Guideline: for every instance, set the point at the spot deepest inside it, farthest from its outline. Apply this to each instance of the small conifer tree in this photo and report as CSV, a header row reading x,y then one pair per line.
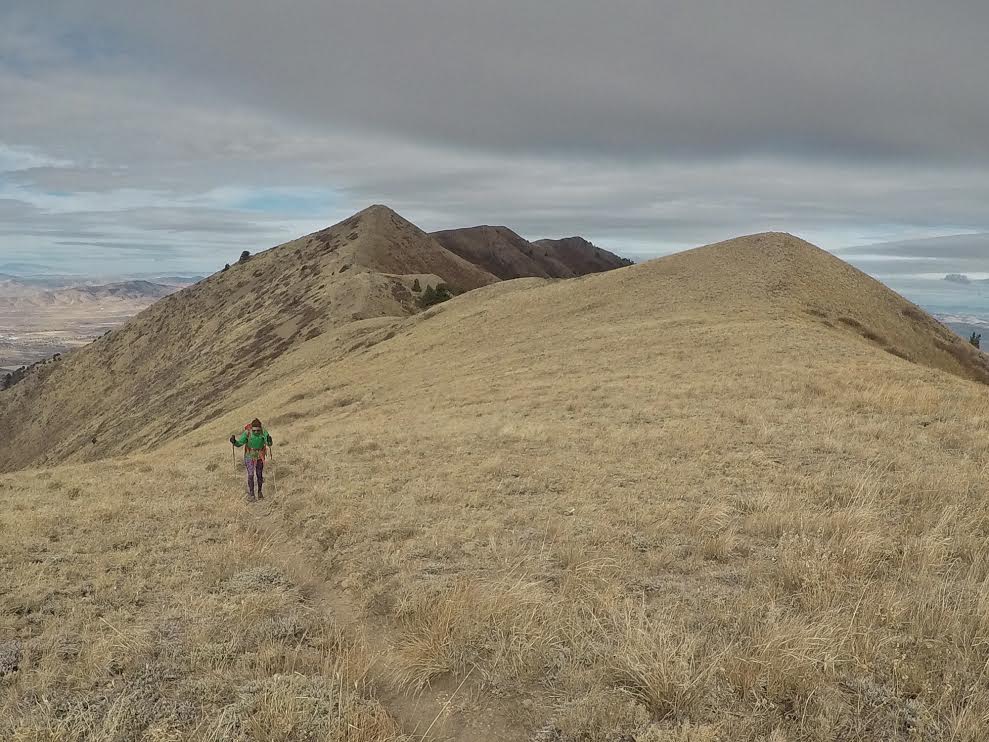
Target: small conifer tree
x,y
428,297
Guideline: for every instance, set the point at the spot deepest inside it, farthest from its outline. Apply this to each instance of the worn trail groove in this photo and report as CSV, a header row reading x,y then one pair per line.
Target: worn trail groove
x,y
432,715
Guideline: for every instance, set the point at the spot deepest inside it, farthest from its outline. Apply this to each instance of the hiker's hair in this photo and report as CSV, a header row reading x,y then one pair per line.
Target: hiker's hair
x,y
255,423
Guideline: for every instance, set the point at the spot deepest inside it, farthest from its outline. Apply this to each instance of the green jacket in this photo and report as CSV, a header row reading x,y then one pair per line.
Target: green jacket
x,y
255,443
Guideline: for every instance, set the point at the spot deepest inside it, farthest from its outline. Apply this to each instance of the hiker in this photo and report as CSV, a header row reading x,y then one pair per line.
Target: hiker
x,y
256,441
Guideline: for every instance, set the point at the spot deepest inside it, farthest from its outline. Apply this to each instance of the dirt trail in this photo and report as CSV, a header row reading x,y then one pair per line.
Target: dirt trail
x,y
436,714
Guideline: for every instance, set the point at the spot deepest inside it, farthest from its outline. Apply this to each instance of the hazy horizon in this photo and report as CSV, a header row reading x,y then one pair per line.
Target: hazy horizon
x,y
918,277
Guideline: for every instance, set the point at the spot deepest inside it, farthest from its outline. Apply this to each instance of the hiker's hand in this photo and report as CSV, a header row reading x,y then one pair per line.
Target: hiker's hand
x,y
233,440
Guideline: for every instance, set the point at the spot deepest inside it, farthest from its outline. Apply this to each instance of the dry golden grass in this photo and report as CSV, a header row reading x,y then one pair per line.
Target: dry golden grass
x,y
200,352
637,504
153,611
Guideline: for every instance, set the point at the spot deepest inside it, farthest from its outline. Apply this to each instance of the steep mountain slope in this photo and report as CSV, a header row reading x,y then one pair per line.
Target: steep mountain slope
x,y
378,239
173,365
497,249
575,256
507,255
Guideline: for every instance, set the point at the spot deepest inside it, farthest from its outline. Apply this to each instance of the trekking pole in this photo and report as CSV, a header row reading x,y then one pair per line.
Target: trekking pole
x,y
274,469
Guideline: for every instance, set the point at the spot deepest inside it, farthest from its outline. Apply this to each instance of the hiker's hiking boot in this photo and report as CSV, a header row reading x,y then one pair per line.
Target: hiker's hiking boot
x,y
260,496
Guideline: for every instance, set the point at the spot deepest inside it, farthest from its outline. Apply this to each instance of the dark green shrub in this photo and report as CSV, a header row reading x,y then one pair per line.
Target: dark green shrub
x,y
435,295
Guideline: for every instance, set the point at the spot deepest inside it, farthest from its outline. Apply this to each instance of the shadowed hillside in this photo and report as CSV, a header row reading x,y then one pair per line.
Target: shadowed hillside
x,y
575,256
703,498
501,251
507,255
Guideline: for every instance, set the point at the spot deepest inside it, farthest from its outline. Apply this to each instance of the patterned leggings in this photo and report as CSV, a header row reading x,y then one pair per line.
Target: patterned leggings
x,y
254,466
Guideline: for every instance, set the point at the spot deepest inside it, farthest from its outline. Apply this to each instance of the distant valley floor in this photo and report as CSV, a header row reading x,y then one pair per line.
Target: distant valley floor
x,y
38,334
40,317
966,329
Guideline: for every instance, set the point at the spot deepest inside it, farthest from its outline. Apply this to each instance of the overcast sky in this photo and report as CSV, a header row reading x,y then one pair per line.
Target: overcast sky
x,y
170,136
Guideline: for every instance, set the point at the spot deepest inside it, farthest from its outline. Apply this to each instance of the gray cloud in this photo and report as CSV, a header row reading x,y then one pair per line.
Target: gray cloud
x,y
645,126
879,79
958,254
973,247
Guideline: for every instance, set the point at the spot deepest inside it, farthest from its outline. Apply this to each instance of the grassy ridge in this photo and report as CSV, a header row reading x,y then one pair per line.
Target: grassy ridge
x,y
637,504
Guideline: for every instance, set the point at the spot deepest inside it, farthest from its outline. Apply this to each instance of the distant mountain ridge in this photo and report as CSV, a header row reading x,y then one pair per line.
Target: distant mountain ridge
x,y
175,280
962,278
507,255
580,256
137,289
16,294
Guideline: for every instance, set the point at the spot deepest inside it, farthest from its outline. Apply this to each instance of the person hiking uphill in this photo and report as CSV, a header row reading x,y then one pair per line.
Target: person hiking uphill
x,y
256,442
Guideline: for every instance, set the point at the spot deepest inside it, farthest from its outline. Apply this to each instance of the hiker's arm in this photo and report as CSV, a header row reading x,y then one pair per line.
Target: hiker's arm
x,y
269,439
239,440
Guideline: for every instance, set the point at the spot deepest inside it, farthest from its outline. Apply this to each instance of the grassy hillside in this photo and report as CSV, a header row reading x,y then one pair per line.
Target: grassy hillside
x,y
702,498
180,363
